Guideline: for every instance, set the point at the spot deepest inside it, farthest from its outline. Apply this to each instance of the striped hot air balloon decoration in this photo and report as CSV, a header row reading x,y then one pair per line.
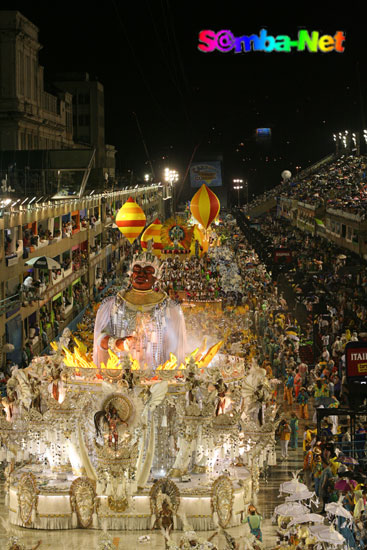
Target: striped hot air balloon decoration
x,y
205,206
153,231
130,220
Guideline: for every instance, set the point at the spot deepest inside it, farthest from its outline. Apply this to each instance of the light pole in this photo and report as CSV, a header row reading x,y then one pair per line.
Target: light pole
x,y
171,176
238,188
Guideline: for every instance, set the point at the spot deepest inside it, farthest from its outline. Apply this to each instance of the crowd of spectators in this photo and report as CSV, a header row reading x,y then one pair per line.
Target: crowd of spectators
x,y
45,236
327,289
340,185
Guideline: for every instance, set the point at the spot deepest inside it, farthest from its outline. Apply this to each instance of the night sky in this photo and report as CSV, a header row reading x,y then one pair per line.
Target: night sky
x,y
146,56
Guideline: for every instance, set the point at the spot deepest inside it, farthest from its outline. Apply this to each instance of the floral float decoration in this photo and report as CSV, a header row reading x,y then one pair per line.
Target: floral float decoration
x,y
176,236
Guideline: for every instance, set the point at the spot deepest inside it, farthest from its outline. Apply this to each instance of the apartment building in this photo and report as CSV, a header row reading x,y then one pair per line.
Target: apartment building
x,y
78,234
89,120
30,116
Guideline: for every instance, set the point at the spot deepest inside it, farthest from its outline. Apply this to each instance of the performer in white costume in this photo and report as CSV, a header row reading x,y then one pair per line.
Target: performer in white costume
x,y
149,320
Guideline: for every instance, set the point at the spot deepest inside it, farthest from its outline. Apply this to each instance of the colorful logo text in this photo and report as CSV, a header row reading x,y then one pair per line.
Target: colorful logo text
x,y
225,41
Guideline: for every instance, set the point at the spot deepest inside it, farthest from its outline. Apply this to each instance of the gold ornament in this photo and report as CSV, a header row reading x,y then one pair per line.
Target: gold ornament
x,y
222,500
118,504
82,498
27,497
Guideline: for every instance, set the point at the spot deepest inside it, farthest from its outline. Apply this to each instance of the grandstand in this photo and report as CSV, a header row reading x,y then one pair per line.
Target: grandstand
x,y
329,199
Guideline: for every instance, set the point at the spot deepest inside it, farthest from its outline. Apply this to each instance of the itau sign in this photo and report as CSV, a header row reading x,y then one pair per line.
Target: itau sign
x,y
356,360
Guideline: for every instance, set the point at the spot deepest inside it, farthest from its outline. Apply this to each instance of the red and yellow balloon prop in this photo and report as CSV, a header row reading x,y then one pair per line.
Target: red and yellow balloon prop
x,y
205,206
153,231
130,220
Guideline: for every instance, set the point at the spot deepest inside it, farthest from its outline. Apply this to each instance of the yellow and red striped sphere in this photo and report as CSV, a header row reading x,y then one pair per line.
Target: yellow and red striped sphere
x,y
153,231
130,220
205,206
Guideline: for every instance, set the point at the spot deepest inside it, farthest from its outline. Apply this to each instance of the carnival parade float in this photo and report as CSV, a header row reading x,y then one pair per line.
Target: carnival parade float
x,y
156,423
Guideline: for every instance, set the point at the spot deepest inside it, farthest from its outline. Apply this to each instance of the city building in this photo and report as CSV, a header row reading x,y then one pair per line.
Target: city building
x,y
30,116
89,121
68,115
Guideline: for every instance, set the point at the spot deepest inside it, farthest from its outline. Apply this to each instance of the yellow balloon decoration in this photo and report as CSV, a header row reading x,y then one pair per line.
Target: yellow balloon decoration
x,y
130,220
153,231
199,235
205,206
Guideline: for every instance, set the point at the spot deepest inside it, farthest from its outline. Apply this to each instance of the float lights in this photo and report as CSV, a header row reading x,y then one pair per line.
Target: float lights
x,y
30,202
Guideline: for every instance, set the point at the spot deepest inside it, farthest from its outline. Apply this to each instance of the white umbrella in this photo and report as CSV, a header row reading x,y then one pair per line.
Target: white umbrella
x,y
293,486
300,495
337,509
327,534
305,518
288,509
43,262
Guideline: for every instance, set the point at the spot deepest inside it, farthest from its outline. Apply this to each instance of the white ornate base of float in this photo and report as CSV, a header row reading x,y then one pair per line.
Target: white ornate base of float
x,y
54,511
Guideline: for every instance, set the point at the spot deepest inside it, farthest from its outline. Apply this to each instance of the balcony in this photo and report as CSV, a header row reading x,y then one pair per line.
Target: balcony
x,y
9,304
68,278
346,215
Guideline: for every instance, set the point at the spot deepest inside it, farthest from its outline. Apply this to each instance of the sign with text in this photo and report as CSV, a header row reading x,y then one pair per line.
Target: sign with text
x,y
209,173
356,360
282,256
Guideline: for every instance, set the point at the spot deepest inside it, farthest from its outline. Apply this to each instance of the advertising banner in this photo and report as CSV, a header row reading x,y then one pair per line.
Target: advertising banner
x,y
263,133
209,173
356,360
282,256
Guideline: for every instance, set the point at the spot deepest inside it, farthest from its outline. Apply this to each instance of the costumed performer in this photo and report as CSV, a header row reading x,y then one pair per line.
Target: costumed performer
x,y
149,320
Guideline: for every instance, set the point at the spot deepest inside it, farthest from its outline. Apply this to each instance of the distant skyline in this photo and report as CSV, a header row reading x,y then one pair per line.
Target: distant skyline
x,y
146,56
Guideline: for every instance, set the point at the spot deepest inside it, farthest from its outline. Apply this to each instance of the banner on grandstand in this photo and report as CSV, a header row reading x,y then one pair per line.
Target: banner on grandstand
x,y
263,135
356,360
209,173
282,256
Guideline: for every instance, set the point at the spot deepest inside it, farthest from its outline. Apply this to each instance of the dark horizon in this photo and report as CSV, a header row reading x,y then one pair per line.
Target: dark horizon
x,y
147,58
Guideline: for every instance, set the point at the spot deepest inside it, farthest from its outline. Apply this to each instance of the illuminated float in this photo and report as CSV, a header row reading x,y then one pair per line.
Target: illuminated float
x,y
103,441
